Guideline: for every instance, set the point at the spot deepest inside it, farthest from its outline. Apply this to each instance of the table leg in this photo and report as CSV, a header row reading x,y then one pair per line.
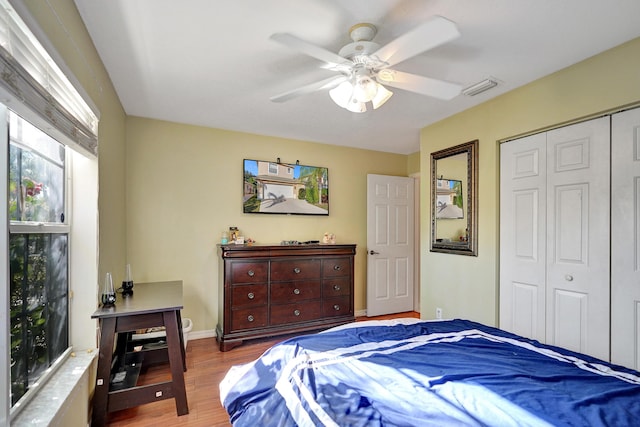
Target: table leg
x,y
103,374
182,347
177,362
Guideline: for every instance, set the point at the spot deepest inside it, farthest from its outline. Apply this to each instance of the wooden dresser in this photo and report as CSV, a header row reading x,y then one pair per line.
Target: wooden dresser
x,y
267,290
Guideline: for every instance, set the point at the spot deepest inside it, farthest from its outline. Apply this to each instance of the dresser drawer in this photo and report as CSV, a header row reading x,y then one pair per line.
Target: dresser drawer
x,y
249,295
294,313
249,272
336,287
339,306
336,267
296,269
288,292
249,318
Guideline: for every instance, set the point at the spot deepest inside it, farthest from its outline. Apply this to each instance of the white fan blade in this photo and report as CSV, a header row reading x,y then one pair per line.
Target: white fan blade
x,y
332,59
423,85
329,83
434,32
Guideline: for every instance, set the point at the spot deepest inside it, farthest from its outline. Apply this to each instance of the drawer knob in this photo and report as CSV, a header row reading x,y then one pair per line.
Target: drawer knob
x,y
251,295
250,318
336,287
296,291
336,267
296,312
296,270
251,273
336,307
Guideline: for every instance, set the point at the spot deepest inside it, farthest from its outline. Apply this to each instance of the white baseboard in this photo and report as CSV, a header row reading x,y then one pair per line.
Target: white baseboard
x,y
361,313
196,335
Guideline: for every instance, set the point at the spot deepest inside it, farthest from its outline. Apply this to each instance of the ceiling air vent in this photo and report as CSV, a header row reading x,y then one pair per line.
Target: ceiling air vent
x,y
480,87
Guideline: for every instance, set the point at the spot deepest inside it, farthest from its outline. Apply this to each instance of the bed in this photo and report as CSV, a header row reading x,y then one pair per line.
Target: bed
x,y
410,372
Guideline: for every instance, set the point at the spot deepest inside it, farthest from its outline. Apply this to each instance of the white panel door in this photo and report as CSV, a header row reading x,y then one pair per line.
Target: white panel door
x,y
554,237
577,240
523,186
390,244
625,232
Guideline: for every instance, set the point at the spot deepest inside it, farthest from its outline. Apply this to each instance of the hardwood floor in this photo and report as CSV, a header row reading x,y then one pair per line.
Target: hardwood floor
x,y
206,366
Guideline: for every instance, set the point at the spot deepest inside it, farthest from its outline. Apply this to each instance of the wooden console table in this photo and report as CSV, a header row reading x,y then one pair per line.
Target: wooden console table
x,y
151,305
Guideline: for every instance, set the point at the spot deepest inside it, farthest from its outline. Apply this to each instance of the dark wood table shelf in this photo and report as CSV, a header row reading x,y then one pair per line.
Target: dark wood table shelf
x,y
151,305
129,372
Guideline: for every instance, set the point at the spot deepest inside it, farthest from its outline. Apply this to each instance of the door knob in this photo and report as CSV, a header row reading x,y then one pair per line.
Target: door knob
x,y
568,278
372,252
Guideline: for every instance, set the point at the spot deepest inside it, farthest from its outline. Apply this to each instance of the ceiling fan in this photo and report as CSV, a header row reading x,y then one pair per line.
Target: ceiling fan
x,y
364,66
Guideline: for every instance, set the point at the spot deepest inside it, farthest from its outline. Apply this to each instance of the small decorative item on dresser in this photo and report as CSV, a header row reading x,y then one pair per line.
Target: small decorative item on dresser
x,y
233,234
329,238
224,239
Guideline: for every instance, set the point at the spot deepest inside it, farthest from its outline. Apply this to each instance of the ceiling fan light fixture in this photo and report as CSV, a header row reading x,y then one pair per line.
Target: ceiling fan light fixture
x,y
381,97
356,107
364,88
342,94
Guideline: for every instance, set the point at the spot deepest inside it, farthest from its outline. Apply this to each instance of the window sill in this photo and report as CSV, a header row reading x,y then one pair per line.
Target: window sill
x,y
57,393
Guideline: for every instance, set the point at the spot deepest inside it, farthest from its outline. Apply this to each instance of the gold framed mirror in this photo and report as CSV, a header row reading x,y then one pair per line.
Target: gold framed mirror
x,y
454,189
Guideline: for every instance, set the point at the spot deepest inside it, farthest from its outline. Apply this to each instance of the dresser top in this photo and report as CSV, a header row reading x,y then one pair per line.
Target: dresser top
x,y
255,250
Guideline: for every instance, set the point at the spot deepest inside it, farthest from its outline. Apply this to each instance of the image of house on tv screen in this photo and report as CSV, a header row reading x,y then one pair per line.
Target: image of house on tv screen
x,y
279,188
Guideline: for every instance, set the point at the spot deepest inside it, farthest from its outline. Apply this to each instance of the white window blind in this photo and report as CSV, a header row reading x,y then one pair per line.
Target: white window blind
x,y
28,73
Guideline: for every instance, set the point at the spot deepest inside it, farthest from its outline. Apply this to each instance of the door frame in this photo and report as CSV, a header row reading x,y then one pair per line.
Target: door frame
x,y
416,241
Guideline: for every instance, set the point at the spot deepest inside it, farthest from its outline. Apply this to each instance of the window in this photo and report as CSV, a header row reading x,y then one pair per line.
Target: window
x,y
273,168
44,257
38,254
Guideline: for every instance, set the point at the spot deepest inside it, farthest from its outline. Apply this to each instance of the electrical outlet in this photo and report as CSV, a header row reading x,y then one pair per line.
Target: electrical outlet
x,y
438,313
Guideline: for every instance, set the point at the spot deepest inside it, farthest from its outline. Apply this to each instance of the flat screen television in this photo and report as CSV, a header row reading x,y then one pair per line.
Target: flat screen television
x,y
282,188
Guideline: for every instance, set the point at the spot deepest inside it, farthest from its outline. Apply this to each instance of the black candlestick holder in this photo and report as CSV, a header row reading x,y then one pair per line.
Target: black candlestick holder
x,y
127,283
127,288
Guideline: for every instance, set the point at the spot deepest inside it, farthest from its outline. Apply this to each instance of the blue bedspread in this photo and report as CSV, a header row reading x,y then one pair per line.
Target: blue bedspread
x,y
444,373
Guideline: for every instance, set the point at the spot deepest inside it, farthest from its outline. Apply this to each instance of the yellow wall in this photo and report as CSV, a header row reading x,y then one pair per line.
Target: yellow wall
x,y
413,163
466,286
184,188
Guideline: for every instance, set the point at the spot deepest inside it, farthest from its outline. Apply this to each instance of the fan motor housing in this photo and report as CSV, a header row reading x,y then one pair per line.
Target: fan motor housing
x,y
358,48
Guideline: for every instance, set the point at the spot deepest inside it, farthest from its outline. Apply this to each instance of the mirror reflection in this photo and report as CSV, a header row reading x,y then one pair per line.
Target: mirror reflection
x,y
453,214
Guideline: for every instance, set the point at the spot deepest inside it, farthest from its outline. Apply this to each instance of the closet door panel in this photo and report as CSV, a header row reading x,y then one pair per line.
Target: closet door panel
x,y
572,308
578,198
625,235
571,219
522,234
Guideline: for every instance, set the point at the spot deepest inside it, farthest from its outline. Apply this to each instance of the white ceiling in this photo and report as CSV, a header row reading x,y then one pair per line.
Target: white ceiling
x,y
211,62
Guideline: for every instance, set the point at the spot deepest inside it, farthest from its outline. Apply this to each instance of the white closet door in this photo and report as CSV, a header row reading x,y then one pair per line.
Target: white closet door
x,y
523,170
578,201
554,237
625,232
